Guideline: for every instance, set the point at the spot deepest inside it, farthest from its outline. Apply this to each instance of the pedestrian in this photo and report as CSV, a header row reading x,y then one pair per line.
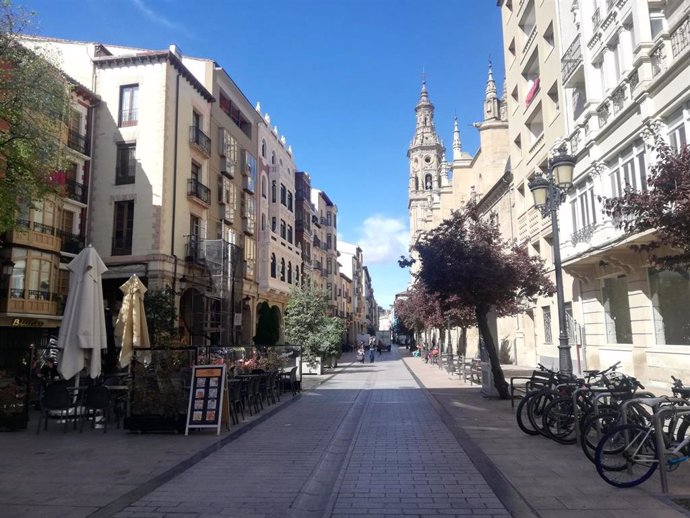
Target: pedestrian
x,y
379,347
371,354
360,353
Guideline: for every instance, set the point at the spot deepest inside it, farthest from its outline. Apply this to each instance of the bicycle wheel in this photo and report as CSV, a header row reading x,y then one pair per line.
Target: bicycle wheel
x,y
626,456
536,408
521,416
595,427
558,421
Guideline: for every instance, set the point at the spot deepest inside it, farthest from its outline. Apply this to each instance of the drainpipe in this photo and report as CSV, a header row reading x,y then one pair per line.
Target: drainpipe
x,y
174,198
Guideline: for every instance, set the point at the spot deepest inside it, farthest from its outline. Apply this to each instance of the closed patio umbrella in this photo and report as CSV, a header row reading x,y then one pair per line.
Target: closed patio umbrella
x,y
131,330
82,331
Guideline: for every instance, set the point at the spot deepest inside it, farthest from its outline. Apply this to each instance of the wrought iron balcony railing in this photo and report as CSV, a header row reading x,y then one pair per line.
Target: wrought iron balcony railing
x,y
76,191
200,139
77,141
198,190
71,243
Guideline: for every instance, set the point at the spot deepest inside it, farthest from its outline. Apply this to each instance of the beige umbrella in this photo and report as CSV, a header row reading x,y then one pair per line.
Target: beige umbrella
x,y
131,330
82,330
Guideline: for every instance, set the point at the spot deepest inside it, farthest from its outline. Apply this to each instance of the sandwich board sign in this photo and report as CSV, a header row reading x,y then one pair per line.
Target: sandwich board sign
x,y
207,397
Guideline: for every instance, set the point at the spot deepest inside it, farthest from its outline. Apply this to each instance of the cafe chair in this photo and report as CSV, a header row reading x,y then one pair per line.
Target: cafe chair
x,y
97,399
289,381
56,398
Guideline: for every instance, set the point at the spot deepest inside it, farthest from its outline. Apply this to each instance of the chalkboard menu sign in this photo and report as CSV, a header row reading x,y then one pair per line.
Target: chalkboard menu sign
x,y
206,397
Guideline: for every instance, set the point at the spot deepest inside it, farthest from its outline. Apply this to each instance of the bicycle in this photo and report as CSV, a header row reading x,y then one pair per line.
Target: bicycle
x,y
627,455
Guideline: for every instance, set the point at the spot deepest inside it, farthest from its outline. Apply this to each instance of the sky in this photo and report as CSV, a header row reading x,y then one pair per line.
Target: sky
x,y
340,79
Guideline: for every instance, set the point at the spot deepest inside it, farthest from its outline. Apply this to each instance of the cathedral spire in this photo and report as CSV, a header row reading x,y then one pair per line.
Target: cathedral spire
x,y
491,103
490,85
457,143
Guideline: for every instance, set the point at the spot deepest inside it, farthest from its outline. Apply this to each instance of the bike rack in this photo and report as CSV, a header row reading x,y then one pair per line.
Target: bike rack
x,y
659,432
601,393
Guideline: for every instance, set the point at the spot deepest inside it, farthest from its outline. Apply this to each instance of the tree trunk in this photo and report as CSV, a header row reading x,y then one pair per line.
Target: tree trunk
x,y
462,342
496,370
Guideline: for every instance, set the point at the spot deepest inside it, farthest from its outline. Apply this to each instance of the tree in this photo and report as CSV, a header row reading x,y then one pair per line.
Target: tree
x,y
663,204
34,105
465,260
161,315
307,323
267,331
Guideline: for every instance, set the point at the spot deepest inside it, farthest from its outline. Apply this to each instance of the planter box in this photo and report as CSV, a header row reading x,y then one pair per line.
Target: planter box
x,y
155,423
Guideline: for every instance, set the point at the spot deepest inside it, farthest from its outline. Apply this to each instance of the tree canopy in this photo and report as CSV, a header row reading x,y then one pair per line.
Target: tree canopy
x,y
663,204
467,263
34,106
307,323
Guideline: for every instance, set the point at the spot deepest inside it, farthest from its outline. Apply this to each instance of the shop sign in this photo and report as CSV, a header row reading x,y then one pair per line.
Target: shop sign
x,y
26,322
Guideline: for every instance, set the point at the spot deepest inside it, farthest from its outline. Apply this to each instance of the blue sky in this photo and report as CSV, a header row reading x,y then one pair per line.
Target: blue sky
x,y
340,79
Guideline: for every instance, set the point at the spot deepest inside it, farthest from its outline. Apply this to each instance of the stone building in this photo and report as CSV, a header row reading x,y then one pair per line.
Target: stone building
x,y
625,72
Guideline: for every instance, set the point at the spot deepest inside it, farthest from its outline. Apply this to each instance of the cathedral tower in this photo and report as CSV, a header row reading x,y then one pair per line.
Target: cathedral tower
x,y
426,158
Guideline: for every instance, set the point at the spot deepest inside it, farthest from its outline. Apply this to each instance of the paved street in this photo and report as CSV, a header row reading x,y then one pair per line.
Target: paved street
x,y
367,442
364,441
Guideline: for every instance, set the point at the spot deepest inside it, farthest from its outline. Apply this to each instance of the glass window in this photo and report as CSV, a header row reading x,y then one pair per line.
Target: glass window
x,y
670,293
123,226
283,229
617,310
250,171
283,195
126,164
546,314
129,102
289,234
273,191
289,201
273,265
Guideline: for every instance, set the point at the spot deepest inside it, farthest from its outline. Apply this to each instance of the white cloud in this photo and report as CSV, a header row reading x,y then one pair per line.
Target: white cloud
x,y
156,17
383,239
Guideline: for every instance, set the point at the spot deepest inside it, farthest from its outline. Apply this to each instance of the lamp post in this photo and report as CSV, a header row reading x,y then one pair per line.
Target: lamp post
x,y
548,194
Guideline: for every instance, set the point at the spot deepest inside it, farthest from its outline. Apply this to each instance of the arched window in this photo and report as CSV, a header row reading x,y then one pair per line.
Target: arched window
x,y
273,265
273,191
427,182
264,187
289,201
263,221
289,276
273,157
297,274
416,183
282,269
263,148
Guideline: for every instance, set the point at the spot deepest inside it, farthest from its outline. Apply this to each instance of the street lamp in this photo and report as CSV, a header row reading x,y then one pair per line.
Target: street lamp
x,y
548,194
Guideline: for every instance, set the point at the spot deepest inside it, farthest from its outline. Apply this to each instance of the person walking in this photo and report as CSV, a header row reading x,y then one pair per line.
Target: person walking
x,y
371,354
360,353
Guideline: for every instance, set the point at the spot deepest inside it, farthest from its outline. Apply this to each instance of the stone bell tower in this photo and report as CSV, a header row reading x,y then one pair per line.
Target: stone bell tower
x,y
427,161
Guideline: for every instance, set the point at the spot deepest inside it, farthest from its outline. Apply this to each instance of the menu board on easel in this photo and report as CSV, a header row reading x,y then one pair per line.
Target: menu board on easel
x,y
206,397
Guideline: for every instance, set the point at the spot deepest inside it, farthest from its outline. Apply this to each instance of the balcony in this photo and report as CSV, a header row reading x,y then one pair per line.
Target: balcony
x,y
583,235
596,18
200,140
225,213
37,302
76,191
571,59
34,235
680,38
198,190
77,141
194,252
248,226
530,39
71,243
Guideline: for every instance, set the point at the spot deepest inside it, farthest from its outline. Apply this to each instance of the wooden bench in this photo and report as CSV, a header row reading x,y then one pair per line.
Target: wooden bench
x,y
538,380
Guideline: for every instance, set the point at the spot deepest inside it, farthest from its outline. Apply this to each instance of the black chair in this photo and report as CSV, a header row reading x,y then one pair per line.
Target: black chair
x,y
56,398
288,380
236,403
97,399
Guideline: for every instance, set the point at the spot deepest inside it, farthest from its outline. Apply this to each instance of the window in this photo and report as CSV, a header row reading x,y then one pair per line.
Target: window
x,y
273,265
329,266
289,201
123,225
283,195
282,269
263,221
289,234
657,22
334,221
273,191
546,314
273,223
329,242
263,148
289,273
617,310
249,257
264,187
676,131
40,275
297,274
235,114
583,206
129,103
126,164
629,170
670,299
249,172
283,229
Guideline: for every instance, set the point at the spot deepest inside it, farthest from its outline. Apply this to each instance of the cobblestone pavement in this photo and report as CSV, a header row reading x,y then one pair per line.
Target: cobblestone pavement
x,y
367,442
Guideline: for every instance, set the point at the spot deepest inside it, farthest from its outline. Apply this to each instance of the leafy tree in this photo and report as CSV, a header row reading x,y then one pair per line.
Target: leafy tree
x,y
307,323
466,258
267,332
161,315
33,107
664,205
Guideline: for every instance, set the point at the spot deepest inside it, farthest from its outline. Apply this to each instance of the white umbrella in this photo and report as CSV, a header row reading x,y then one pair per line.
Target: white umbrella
x,y
131,329
82,331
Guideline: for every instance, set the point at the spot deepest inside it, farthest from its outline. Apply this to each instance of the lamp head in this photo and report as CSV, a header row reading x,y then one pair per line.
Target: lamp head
x,y
562,167
540,190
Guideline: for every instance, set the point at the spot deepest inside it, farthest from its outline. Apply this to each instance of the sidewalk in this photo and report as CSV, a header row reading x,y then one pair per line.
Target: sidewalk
x,y
557,481
73,475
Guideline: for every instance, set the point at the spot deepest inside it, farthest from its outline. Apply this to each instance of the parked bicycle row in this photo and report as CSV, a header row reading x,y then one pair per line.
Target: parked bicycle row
x,y
625,430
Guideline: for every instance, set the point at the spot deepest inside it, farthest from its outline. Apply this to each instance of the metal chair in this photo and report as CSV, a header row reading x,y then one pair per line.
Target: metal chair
x,y
56,398
97,399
